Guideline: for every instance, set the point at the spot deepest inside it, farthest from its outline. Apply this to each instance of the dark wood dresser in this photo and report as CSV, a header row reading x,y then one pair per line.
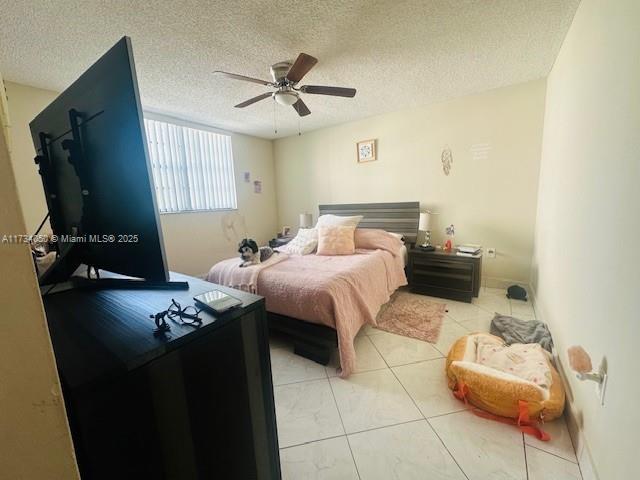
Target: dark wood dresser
x,y
196,403
444,274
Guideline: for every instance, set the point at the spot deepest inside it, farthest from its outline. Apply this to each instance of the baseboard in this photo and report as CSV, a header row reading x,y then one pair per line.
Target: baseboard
x,y
498,282
580,445
583,452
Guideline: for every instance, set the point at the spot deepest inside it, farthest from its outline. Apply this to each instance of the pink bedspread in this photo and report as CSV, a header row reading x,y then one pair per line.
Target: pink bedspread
x,y
343,292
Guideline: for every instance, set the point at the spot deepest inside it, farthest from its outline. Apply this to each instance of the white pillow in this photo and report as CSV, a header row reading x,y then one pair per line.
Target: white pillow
x,y
304,243
399,236
330,220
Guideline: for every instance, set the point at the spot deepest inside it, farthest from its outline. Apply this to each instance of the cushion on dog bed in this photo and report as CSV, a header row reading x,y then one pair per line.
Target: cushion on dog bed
x,y
499,378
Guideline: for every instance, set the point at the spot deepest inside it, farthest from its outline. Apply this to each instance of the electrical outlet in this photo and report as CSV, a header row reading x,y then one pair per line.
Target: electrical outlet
x,y
491,252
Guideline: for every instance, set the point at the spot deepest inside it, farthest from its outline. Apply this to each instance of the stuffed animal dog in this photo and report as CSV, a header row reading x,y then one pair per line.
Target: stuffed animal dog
x,y
251,254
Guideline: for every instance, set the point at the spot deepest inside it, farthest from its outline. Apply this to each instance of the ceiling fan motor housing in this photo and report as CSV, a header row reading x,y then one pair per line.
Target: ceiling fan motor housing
x,y
279,72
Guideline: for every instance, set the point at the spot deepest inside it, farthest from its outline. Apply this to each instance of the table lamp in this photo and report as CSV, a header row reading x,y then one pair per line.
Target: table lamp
x,y
423,226
306,220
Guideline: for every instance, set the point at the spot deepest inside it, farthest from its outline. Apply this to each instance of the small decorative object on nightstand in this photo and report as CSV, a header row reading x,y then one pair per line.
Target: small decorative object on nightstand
x,y
451,231
444,274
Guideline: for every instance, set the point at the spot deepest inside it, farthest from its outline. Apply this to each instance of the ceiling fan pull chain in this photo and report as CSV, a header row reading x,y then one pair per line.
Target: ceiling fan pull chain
x,y
299,132
275,122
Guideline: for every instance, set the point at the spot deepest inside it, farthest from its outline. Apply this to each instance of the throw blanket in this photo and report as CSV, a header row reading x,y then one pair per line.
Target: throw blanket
x,y
230,274
514,330
526,361
343,291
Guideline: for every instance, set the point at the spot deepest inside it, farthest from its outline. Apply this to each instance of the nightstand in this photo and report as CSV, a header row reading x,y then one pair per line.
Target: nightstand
x,y
444,274
280,241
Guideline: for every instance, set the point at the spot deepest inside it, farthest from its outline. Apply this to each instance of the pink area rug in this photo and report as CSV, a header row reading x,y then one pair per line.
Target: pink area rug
x,y
413,316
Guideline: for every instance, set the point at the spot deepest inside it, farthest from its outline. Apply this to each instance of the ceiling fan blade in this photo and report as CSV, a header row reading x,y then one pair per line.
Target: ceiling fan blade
x,y
301,67
246,79
335,91
253,100
301,108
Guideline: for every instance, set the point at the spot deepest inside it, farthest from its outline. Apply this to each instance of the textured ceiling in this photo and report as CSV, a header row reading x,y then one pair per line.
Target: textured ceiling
x,y
396,53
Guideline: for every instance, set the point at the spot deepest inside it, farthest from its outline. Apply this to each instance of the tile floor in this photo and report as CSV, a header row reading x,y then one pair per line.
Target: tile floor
x,y
396,419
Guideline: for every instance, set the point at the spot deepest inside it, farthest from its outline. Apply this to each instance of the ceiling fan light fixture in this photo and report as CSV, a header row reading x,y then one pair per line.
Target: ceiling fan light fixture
x,y
286,98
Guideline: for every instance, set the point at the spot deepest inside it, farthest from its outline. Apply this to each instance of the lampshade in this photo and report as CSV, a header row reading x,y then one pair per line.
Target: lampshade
x,y
286,98
425,219
306,220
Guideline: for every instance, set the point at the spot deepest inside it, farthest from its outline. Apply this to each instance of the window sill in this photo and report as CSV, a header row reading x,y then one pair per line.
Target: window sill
x,y
200,211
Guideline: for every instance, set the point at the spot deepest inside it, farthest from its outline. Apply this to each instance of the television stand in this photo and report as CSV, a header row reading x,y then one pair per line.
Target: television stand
x,y
194,404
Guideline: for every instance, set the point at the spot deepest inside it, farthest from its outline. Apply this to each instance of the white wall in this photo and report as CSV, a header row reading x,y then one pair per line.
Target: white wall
x,y
34,436
586,260
491,201
193,241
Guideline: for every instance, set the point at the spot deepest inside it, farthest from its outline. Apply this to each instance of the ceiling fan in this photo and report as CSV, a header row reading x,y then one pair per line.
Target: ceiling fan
x,y
286,77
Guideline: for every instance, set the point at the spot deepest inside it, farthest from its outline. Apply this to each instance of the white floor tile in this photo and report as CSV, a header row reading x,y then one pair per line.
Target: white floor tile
x,y
372,399
481,323
408,451
426,383
496,292
544,466
560,443
493,304
367,357
464,311
449,333
287,367
523,310
322,460
484,449
400,350
305,412
373,330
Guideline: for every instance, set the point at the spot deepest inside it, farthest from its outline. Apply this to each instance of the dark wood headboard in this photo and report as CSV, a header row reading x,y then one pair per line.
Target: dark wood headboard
x,y
401,217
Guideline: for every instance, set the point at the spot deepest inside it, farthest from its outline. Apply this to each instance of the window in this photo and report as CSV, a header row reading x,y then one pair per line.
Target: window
x,y
192,168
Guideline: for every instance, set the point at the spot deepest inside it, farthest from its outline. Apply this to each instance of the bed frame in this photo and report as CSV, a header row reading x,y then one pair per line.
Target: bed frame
x,y
316,342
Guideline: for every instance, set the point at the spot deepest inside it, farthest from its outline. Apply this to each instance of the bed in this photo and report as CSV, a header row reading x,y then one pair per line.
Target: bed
x,y
321,302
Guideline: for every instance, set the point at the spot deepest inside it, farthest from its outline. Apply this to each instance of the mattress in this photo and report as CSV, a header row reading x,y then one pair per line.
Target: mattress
x,y
405,254
344,291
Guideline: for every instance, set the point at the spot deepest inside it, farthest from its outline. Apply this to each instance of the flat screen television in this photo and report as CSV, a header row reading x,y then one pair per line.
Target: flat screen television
x,y
93,159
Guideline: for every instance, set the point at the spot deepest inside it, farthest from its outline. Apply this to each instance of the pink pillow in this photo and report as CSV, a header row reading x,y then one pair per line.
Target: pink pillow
x,y
374,239
336,240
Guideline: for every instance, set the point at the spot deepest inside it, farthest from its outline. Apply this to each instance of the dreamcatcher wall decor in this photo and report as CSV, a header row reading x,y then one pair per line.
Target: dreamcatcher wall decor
x,y
447,160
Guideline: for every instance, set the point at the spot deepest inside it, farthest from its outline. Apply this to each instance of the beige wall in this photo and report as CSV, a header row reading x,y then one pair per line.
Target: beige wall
x,y
193,241
585,267
25,103
34,436
491,201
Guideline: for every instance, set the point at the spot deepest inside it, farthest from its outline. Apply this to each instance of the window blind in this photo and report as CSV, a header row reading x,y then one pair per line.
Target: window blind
x,y
192,168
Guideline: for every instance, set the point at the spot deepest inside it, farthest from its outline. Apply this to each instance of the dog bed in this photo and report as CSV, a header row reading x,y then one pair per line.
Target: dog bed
x,y
516,381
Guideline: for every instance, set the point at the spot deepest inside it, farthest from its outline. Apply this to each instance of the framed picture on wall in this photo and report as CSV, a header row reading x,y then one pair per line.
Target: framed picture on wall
x,y
366,151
